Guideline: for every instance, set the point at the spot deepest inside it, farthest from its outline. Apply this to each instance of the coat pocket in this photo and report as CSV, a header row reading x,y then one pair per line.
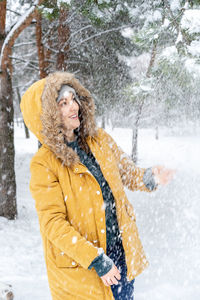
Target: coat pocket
x,y
64,261
130,211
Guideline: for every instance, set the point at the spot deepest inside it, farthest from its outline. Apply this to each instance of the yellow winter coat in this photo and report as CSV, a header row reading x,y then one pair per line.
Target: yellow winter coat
x,y
68,198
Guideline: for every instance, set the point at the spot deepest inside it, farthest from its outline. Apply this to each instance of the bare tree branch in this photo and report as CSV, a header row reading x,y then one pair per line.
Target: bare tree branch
x,y
24,60
98,34
24,44
74,33
15,12
22,23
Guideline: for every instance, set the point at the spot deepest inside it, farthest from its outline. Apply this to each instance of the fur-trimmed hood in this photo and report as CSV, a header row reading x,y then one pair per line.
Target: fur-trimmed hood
x,y
42,117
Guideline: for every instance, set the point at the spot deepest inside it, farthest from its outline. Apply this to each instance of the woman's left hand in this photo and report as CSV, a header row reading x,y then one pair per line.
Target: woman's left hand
x,y
162,174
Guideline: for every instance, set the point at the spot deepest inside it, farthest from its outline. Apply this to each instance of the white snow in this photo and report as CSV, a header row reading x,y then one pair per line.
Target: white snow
x,y
127,32
191,21
74,239
194,48
179,38
48,10
166,23
174,4
103,1
157,15
168,221
193,67
170,53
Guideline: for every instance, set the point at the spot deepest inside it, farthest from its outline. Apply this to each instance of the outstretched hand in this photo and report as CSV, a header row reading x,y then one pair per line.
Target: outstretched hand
x,y
162,174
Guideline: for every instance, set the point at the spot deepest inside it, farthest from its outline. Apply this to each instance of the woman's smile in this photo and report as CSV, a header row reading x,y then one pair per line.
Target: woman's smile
x,y
74,117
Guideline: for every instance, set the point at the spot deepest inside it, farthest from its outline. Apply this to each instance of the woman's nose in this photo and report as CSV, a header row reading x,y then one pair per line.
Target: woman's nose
x,y
74,105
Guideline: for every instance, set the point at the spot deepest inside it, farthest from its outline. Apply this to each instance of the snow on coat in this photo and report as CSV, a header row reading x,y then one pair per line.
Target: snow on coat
x,y
68,198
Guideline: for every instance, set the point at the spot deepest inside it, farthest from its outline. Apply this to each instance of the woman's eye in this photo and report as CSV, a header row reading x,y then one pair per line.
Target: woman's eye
x,y
65,103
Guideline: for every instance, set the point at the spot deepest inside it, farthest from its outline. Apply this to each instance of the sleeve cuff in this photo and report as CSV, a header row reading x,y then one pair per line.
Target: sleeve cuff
x,y
149,179
102,264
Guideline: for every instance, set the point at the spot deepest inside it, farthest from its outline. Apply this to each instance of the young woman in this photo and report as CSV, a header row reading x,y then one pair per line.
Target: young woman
x,y
91,243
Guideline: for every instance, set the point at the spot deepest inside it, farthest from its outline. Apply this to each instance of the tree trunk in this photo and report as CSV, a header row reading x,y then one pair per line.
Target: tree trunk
x,y
103,122
153,57
157,133
63,37
40,47
48,51
27,135
134,152
8,205
2,22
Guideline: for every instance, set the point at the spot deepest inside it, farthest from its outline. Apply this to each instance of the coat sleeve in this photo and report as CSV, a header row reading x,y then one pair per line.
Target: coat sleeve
x,y
51,210
131,175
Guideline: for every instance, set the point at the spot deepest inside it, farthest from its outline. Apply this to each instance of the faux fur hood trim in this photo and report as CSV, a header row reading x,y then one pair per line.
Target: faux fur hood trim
x,y
52,130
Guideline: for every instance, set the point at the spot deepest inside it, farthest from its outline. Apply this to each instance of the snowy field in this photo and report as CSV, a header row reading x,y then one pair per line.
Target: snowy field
x,y
168,222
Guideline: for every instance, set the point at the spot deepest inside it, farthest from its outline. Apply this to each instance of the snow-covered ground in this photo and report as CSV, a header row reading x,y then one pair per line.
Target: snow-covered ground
x,y
168,219
168,222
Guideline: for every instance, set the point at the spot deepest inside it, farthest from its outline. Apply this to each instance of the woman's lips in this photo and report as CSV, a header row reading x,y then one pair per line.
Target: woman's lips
x,y
74,117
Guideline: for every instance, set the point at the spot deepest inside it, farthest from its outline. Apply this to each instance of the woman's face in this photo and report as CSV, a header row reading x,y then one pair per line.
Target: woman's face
x,y
69,108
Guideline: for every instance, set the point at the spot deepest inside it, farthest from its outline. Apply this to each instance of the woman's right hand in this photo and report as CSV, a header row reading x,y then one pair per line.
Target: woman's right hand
x,y
111,277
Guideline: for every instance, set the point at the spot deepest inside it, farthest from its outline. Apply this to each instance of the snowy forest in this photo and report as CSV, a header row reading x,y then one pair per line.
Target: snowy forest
x,y
141,62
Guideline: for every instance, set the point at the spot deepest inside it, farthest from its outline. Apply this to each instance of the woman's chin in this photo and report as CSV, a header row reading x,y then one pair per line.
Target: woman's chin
x,y
76,125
